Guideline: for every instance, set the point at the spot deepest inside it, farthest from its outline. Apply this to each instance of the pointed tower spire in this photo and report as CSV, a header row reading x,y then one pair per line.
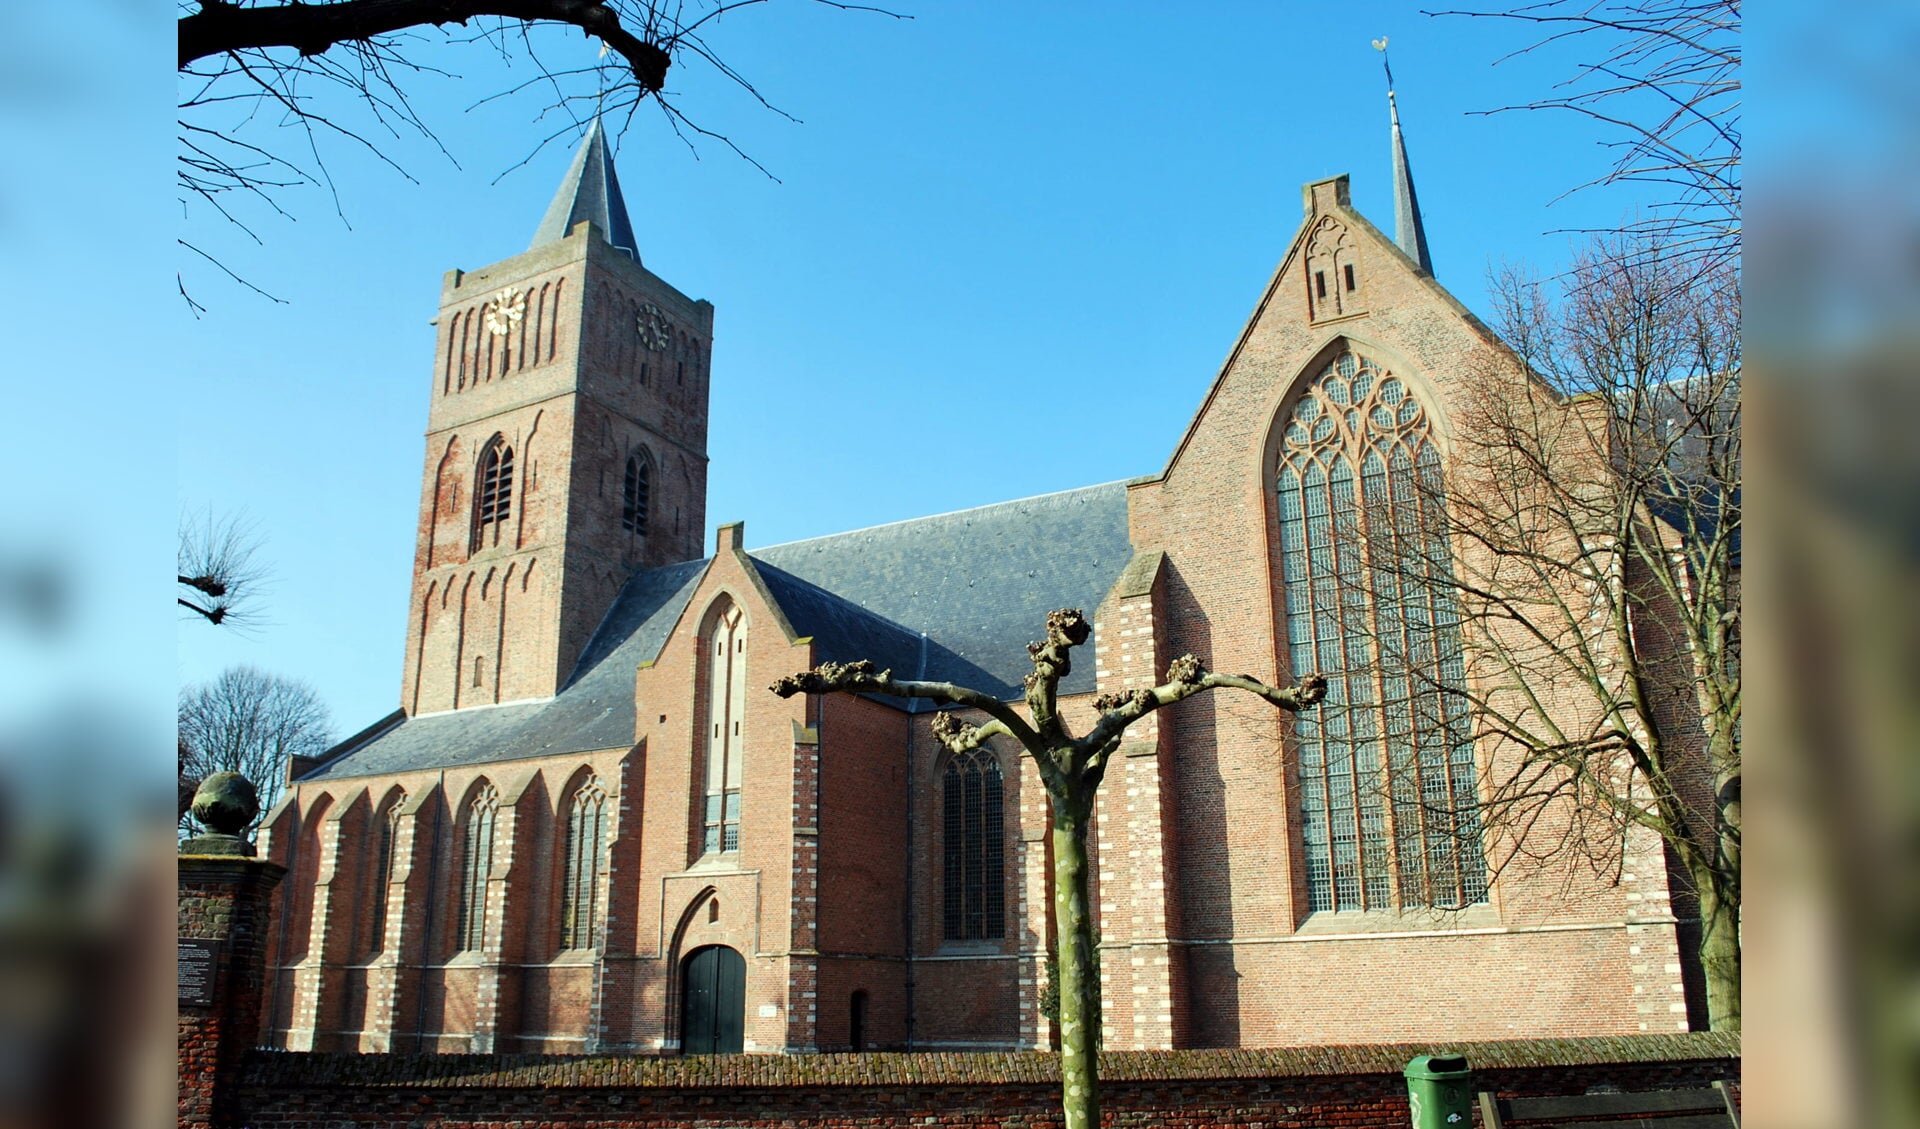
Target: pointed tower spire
x,y
589,191
1408,231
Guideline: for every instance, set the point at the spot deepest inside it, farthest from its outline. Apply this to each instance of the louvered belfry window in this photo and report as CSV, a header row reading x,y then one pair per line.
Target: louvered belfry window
x,y
973,856
476,864
493,499
639,491
1387,790
581,885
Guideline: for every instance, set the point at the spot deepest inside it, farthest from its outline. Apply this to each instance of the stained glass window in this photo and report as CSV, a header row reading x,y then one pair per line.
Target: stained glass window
x,y
973,857
581,881
1387,791
476,865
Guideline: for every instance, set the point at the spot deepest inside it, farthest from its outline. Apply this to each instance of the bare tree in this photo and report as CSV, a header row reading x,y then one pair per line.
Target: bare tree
x,y
1070,769
337,72
217,570
1591,558
1661,78
253,723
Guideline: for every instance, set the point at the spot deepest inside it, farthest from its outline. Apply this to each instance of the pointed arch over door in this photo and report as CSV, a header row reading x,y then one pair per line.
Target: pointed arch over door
x,y
713,1002
1388,794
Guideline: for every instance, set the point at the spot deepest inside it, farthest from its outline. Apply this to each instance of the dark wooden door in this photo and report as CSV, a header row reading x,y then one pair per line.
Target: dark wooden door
x,y
713,1016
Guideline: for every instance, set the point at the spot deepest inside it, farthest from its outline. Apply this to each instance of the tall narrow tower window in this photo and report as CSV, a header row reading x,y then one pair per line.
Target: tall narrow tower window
x,y
585,836
389,833
1389,800
476,864
726,686
493,496
972,860
638,494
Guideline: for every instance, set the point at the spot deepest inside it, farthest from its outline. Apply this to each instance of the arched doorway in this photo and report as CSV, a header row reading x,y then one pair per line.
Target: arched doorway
x,y
713,1002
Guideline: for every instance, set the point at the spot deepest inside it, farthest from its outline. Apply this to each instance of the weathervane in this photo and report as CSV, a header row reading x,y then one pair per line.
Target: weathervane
x,y
1380,45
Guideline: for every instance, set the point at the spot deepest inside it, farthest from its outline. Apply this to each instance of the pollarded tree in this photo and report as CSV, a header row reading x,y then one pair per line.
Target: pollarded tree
x,y
1071,768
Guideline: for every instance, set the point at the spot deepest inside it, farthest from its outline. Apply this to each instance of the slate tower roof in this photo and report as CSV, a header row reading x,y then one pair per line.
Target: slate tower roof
x,y
589,191
1408,231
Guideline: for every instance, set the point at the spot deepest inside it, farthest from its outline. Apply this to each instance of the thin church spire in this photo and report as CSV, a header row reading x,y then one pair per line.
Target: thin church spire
x,y
1408,231
589,191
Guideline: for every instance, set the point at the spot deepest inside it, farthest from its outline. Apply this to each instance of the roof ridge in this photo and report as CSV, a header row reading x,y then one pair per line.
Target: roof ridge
x,y
948,513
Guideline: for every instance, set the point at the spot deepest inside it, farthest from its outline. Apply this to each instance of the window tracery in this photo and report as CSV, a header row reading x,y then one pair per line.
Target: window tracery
x,y
973,862
1388,794
476,865
580,885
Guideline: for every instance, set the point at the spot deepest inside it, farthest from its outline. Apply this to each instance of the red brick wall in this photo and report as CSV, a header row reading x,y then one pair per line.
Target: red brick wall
x,y
224,900
1353,1088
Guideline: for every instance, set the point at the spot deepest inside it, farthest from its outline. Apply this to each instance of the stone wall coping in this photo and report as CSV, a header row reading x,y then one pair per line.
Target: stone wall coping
x,y
228,869
282,1069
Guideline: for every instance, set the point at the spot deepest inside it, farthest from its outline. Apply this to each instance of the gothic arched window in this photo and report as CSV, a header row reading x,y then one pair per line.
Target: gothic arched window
x,y
476,863
388,832
638,494
580,885
493,491
971,817
726,688
1388,793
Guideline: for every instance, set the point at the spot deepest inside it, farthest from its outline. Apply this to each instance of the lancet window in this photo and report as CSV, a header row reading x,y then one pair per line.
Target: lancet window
x,y
493,493
726,688
637,495
586,833
476,864
971,797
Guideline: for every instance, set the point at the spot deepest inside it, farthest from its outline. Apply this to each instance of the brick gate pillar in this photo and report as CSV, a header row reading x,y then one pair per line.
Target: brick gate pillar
x,y
224,910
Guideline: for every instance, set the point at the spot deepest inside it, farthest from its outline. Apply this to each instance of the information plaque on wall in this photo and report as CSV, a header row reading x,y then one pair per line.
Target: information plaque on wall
x,y
198,960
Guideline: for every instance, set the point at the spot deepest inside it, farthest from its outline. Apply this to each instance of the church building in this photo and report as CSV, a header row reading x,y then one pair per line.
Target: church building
x,y
589,827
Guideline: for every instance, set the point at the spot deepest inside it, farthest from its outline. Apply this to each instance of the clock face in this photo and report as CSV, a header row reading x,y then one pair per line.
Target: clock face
x,y
505,311
656,332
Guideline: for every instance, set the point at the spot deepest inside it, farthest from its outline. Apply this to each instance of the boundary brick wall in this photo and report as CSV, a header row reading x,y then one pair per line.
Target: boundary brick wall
x,y
1353,1087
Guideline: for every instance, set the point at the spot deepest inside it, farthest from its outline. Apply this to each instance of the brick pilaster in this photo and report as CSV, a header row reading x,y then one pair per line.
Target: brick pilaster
x,y
494,998
316,1003
803,964
1140,976
1653,948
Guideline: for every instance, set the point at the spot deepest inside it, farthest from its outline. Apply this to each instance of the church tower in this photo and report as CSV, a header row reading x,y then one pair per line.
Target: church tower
x,y
566,447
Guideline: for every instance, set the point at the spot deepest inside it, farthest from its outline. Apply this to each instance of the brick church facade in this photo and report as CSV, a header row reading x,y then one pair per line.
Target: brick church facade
x,y
589,827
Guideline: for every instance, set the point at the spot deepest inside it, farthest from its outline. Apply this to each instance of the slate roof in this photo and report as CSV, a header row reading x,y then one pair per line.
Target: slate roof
x,y
979,583
955,597
589,191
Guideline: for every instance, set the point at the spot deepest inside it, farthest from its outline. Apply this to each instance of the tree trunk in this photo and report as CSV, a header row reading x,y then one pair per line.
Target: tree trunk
x,y
1720,957
1073,932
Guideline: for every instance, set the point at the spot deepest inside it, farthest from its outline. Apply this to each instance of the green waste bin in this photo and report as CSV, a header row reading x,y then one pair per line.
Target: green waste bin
x,y
1440,1092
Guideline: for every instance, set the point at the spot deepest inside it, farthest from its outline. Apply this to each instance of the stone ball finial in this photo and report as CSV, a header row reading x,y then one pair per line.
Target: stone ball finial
x,y
225,803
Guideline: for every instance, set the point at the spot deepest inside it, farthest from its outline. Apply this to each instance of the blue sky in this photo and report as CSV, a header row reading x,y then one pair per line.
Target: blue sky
x,y
1008,250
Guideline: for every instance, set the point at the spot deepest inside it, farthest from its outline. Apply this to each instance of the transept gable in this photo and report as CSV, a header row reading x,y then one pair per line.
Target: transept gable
x,y
1387,298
